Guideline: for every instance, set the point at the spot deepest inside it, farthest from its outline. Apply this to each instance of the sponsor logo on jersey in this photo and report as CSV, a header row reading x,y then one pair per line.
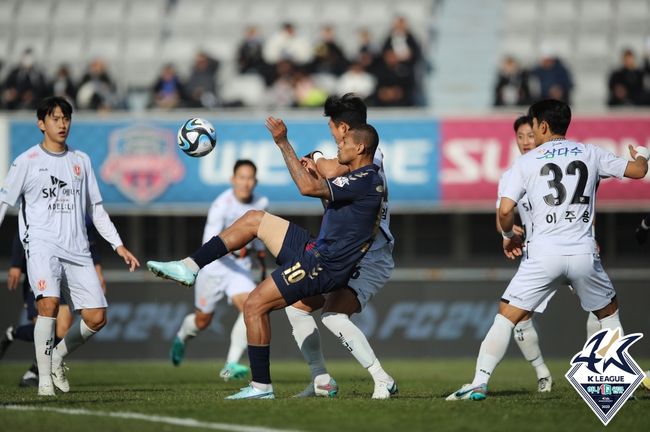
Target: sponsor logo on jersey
x,y
142,162
604,374
341,181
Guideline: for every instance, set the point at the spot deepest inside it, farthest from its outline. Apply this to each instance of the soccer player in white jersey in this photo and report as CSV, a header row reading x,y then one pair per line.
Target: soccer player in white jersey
x,y
559,177
371,275
231,275
524,332
56,187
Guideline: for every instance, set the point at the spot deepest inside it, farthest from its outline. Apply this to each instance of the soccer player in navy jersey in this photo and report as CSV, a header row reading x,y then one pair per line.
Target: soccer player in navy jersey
x,y
306,266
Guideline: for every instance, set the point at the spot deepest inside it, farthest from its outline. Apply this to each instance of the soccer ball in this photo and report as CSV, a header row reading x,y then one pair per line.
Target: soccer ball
x,y
197,137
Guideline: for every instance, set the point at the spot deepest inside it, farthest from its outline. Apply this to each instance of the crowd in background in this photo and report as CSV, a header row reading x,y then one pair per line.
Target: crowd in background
x,y
628,84
292,71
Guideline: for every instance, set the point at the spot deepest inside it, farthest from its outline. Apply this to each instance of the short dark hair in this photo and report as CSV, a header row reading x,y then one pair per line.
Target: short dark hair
x,y
522,121
348,108
367,135
244,162
48,105
554,112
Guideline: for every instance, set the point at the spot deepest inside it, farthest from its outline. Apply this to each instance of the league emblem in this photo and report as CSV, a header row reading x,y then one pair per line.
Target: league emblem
x,y
604,373
142,162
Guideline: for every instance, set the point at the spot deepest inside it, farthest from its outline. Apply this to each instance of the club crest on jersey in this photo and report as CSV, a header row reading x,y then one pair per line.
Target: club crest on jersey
x,y
42,285
604,373
142,162
76,170
341,181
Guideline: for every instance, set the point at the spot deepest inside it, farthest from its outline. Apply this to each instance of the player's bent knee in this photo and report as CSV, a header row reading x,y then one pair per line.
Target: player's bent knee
x,y
202,320
253,218
95,321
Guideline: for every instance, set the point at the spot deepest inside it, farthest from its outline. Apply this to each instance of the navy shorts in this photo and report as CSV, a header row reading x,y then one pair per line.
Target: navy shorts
x,y
299,273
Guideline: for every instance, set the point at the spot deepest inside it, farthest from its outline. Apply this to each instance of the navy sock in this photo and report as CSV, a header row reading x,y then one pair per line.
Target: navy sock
x,y
260,363
212,250
25,333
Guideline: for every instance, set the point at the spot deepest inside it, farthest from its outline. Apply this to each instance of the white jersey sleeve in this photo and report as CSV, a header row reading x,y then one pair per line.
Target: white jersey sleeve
x,y
501,187
513,187
609,165
94,196
14,183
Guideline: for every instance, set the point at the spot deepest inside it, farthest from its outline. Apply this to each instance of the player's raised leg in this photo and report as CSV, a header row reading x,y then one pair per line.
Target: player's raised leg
x,y
254,223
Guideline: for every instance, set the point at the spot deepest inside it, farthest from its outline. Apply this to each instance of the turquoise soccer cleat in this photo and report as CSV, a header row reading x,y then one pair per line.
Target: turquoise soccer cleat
x,y
467,392
251,392
234,371
174,270
177,352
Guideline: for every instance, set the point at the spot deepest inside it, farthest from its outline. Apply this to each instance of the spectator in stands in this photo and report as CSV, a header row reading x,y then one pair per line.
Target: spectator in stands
x,y
307,93
97,90
394,82
168,91
287,45
202,84
368,52
62,84
25,85
512,84
407,50
626,83
357,80
552,80
249,55
328,55
281,93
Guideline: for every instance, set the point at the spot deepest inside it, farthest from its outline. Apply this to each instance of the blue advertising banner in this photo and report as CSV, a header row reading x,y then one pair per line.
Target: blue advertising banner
x,y
140,168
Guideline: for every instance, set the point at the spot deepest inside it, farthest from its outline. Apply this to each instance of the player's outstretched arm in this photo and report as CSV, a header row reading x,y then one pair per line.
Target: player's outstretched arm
x,y
638,168
307,184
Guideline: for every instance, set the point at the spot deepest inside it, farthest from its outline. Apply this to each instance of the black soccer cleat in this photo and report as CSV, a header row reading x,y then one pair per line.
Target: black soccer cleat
x,y
7,339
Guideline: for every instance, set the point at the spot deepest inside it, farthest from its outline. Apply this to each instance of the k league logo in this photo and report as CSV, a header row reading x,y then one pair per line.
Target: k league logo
x,y
604,373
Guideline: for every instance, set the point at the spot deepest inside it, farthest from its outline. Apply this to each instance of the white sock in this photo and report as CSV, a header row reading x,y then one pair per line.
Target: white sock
x,y
44,345
262,387
493,349
306,334
356,342
188,329
191,264
593,325
238,340
526,337
611,322
76,336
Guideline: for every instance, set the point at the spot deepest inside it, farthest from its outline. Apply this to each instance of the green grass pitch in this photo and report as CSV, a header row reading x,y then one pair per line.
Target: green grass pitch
x,y
195,391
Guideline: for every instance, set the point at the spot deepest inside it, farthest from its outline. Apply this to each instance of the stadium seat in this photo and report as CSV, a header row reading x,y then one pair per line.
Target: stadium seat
x,y
38,45
521,47
106,17
595,13
557,13
66,49
634,41
190,17
248,89
109,49
70,17
7,14
592,46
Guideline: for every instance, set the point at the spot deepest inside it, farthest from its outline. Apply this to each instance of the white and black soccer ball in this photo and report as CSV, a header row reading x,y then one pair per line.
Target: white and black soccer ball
x,y
197,137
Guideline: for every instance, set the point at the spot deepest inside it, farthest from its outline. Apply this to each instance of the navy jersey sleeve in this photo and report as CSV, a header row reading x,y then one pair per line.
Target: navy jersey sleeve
x,y
350,187
17,252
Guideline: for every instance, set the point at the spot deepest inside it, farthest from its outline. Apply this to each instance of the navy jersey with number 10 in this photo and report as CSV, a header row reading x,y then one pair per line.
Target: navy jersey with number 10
x,y
350,222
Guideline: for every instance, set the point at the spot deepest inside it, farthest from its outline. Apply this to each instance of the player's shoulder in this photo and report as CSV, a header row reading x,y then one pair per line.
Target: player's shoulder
x,y
224,197
30,155
260,201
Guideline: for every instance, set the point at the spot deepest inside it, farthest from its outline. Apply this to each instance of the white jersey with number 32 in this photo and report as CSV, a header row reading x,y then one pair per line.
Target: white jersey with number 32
x,y
560,179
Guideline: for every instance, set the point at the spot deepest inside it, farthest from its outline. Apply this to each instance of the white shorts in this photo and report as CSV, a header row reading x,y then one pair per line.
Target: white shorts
x,y
372,273
213,281
542,306
50,276
531,286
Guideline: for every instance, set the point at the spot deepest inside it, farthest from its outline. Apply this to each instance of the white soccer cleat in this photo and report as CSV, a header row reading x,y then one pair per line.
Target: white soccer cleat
x,y
544,385
384,389
468,392
59,379
46,388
